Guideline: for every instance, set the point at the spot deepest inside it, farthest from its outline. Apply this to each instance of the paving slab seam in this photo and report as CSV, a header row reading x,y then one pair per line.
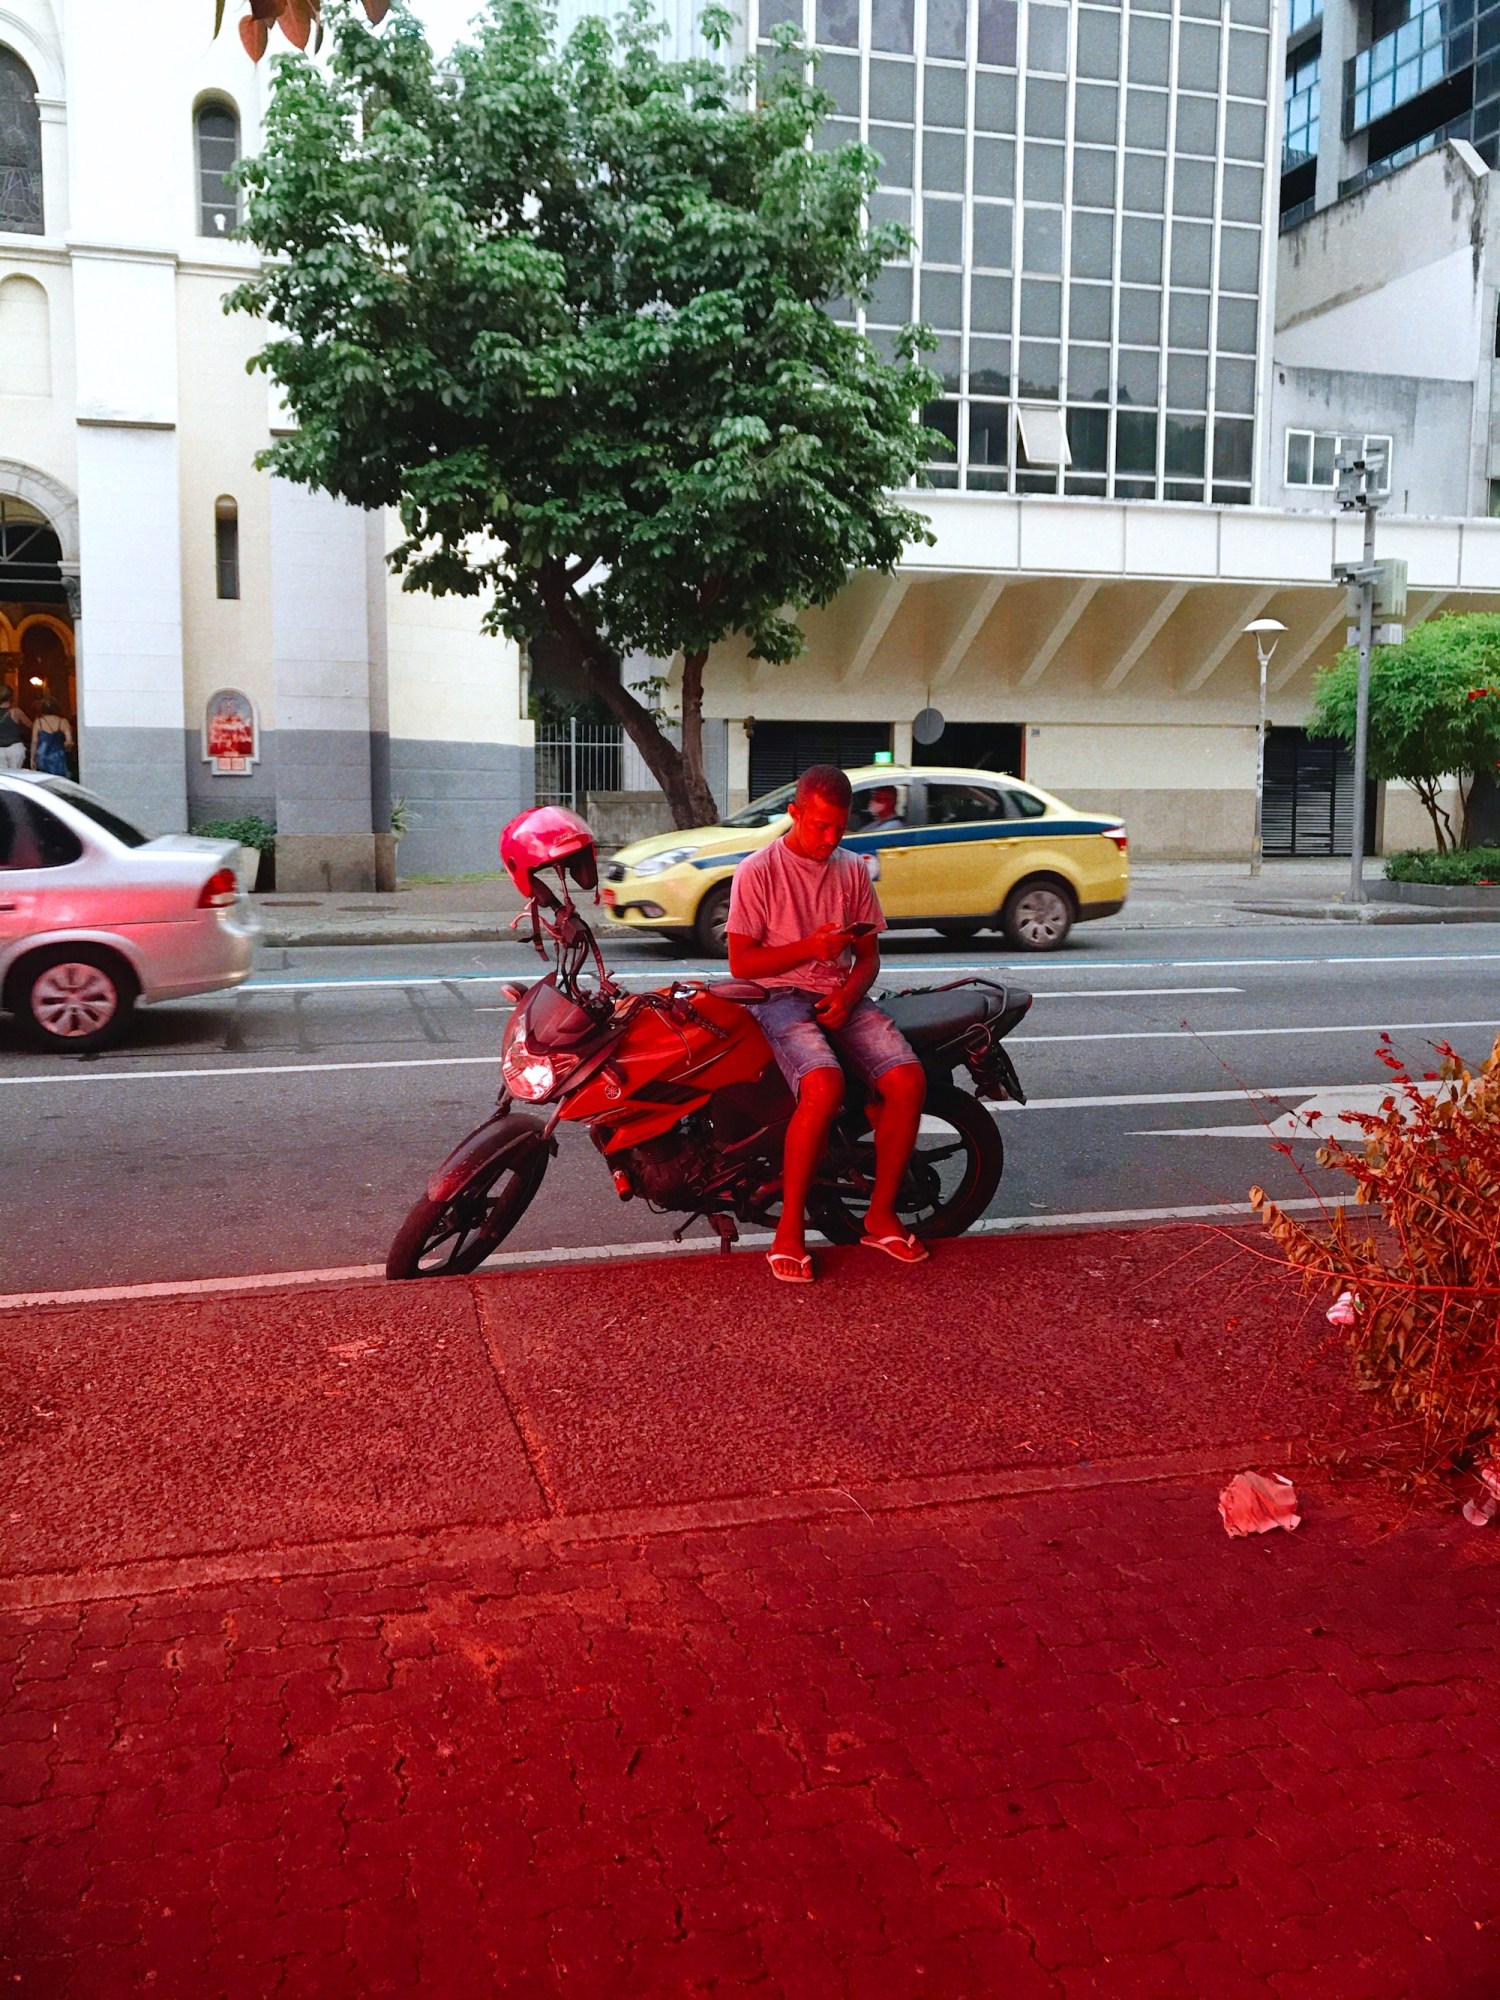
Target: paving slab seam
x,y
459,1544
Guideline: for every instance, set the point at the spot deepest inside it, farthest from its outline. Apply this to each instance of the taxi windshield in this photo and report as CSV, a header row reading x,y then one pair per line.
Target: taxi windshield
x,y
761,811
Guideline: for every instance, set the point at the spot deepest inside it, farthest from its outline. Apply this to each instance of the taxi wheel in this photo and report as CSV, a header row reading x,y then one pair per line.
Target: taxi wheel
x,y
710,931
74,998
1038,914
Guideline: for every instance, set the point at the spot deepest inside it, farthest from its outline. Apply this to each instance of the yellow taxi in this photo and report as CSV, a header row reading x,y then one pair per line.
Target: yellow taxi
x,y
953,851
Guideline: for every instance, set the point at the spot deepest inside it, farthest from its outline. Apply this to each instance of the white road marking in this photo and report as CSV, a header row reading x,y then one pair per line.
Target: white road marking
x,y
586,1253
1245,1034
1324,1116
496,978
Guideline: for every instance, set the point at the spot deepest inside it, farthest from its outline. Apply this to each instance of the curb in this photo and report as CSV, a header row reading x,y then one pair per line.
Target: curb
x,y
1372,913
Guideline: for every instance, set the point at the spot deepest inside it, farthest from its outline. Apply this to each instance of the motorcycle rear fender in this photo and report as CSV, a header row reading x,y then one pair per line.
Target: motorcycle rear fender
x,y
507,1131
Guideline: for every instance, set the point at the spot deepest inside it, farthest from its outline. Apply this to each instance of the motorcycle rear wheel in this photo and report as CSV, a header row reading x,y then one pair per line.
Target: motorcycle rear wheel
x,y
448,1239
949,1183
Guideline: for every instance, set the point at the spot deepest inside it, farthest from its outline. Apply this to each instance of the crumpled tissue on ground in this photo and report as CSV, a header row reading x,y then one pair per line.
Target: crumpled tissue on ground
x,y
1251,1504
1479,1513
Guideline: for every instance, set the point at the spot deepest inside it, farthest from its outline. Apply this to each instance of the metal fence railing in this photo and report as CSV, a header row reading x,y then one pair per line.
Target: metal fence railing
x,y
574,759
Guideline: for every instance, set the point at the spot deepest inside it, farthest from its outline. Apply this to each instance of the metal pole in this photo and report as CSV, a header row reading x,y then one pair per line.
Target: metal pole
x,y
1258,848
1362,711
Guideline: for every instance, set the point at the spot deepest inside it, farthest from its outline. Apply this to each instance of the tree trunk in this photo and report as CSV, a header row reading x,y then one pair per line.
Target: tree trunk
x,y
692,739
1427,792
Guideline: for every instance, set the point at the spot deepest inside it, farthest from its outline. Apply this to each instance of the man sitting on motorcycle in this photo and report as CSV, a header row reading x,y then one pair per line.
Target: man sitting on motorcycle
x,y
803,921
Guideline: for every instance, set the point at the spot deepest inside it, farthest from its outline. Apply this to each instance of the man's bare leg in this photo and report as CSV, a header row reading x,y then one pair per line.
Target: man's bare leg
x,y
818,1099
898,1114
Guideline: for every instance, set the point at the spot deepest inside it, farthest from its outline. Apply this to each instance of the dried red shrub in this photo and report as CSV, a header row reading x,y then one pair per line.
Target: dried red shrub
x,y
1425,1274
299,20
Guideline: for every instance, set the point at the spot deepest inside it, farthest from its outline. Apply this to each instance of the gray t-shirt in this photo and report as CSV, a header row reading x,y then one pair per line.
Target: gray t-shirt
x,y
779,897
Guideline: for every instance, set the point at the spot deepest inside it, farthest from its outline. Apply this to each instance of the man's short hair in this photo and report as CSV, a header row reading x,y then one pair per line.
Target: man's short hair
x,y
827,782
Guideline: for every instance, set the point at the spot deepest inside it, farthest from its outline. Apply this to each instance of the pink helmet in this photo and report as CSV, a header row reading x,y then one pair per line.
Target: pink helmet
x,y
549,837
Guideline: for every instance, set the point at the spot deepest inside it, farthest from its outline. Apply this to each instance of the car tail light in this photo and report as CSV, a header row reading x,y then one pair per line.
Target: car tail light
x,y
220,892
1119,836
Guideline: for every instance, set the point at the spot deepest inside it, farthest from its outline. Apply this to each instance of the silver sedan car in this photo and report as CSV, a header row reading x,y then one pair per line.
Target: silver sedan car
x,y
94,916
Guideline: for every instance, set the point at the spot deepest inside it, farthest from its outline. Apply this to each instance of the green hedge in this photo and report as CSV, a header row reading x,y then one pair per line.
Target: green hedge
x,y
251,831
1461,870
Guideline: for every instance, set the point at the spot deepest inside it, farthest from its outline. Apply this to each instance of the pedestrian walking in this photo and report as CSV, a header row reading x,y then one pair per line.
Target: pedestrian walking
x,y
13,730
51,740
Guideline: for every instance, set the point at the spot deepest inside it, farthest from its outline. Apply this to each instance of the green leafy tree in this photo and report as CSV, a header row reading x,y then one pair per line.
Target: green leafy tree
x,y
564,308
1434,711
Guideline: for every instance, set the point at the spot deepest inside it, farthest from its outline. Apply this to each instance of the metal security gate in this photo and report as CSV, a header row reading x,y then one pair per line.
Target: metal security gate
x,y
779,751
1309,802
574,759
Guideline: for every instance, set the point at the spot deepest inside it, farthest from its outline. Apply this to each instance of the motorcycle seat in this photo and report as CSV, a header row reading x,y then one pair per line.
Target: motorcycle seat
x,y
929,1019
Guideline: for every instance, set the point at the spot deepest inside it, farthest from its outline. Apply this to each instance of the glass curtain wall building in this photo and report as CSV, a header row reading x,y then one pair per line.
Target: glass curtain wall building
x,y
1087,189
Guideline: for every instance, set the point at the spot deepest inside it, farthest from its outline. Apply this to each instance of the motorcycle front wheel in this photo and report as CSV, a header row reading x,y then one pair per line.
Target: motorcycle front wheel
x,y
447,1239
950,1181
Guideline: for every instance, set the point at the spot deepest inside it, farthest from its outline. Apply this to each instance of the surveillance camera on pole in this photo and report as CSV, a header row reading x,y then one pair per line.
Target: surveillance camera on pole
x,y
1361,475
1266,632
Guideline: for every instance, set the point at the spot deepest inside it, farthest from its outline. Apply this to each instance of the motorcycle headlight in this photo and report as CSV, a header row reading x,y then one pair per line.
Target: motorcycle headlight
x,y
658,864
532,1076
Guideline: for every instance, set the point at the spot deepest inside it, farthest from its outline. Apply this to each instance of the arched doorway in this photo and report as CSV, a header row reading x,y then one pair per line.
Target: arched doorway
x,y
37,656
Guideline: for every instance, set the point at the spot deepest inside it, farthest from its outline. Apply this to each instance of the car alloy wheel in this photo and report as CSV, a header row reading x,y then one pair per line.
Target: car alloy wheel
x,y
74,1000
1040,918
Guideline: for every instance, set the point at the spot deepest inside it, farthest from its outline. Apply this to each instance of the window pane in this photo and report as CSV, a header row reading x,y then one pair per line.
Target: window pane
x,y
1140,317
1324,455
1146,182
891,208
1298,458
835,132
990,305
1233,449
943,161
1042,170
1146,119
838,22
218,134
946,27
1150,51
20,148
1237,325
772,13
894,145
1089,311
1041,241
893,91
945,362
1041,309
1093,178
1140,250
989,366
1096,113
952,804
1244,131
1098,43
1192,253
997,33
1093,245
1135,441
891,26
988,431
1041,370
1187,322
1234,386
1046,108
1187,381
1186,442
994,166
992,235
1198,57
1239,260
994,103
1088,439
890,297
941,420
1136,374
944,96
1047,39
839,76
1197,124
1247,63
942,232
1088,374
942,298
1243,187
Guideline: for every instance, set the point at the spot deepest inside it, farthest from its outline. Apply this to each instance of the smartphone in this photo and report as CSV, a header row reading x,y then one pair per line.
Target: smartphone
x,y
860,930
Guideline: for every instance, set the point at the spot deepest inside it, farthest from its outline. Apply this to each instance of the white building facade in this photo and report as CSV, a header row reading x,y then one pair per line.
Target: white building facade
x,y
146,567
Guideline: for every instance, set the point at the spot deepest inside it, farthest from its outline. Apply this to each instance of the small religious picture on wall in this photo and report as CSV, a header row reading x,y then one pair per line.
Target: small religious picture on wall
x,y
231,740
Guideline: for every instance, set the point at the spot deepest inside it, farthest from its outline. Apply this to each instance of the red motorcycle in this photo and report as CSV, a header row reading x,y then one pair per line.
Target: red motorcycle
x,y
679,1091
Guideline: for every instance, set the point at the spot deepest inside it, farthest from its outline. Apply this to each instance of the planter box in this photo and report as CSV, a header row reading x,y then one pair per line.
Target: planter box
x,y
1466,896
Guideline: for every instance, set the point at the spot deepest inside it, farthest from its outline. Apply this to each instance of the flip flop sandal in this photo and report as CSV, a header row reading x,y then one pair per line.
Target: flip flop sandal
x,y
801,1272
904,1249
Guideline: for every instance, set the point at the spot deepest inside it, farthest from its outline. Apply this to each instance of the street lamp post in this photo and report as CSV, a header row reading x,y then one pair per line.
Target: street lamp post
x,y
1265,632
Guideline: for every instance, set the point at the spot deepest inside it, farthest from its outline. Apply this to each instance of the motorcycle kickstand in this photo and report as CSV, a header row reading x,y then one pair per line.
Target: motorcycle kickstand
x,y
723,1226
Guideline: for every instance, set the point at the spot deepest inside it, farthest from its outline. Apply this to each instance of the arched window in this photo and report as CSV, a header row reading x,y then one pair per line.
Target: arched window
x,y
217,130
227,546
20,147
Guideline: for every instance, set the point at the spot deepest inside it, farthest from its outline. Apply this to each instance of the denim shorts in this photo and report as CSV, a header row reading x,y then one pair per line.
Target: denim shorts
x,y
869,1041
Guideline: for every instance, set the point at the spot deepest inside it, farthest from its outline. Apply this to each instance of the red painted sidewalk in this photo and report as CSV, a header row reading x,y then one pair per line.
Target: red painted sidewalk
x,y
657,1631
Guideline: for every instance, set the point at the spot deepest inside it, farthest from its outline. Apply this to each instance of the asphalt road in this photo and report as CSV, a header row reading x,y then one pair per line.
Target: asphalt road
x,y
289,1126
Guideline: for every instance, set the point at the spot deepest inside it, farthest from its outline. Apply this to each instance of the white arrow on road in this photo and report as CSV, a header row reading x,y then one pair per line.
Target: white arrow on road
x,y
1323,1116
